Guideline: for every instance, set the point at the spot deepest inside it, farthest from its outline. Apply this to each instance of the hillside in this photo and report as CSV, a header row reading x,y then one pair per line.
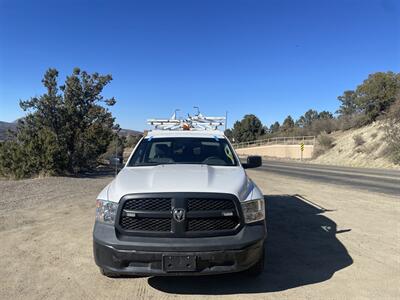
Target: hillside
x,y
4,127
127,132
369,151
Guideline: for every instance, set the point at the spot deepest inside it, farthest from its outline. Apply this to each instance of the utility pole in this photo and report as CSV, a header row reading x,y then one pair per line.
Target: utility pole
x,y
226,119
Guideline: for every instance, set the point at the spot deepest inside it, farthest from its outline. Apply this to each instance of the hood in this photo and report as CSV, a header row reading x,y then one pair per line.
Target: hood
x,y
180,178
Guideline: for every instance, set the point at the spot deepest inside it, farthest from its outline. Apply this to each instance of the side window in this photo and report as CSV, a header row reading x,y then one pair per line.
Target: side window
x,y
138,156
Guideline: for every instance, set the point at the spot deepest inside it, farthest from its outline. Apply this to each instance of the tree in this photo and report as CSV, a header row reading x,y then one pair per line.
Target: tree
x,y
115,147
274,127
325,115
288,124
229,134
377,93
132,140
65,130
307,118
249,128
348,104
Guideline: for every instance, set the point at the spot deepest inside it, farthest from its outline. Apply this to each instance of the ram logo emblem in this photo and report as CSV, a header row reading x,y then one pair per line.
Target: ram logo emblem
x,y
179,214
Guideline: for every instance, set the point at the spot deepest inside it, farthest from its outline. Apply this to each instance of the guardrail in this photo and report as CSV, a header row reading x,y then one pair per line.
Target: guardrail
x,y
288,140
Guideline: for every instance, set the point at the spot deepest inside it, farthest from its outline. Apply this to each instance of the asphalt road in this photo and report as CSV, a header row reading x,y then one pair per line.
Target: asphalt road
x,y
374,180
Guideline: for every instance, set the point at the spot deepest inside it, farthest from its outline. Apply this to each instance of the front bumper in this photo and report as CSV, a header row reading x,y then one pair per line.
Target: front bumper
x,y
143,255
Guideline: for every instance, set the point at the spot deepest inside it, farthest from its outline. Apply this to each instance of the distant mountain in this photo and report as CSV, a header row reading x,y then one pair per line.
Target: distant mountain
x,y
5,126
126,132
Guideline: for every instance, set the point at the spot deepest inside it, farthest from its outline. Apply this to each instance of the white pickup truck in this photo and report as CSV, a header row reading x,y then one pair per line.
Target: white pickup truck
x,y
182,205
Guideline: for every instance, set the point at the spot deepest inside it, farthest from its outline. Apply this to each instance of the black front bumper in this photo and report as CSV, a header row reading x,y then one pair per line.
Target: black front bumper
x,y
144,255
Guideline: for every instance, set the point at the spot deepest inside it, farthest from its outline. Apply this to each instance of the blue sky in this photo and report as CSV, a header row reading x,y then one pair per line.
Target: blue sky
x,y
270,58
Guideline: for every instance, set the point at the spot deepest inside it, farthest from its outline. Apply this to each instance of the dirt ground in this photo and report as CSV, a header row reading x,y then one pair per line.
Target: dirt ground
x,y
325,242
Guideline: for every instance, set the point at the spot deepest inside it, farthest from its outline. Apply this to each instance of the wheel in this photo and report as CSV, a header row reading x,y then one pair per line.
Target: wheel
x,y
258,268
108,274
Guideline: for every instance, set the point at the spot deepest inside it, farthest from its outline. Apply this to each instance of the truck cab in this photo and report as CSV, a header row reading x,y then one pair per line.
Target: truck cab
x,y
182,205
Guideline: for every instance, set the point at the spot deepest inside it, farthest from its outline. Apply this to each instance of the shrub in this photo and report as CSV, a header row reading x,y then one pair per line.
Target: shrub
x,y
324,142
358,140
371,148
366,149
360,150
324,125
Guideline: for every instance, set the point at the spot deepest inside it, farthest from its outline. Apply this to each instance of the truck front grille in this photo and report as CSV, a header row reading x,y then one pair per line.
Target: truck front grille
x,y
147,224
211,224
203,215
149,204
195,204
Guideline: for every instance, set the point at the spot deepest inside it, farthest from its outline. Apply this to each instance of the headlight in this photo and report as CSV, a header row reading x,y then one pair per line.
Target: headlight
x,y
253,210
106,211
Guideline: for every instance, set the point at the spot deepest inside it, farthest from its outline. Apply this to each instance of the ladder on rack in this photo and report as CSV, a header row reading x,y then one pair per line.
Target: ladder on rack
x,y
196,122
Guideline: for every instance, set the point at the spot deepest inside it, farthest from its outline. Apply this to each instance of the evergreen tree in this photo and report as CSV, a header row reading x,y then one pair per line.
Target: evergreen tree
x,y
377,93
348,104
65,130
249,128
274,128
288,124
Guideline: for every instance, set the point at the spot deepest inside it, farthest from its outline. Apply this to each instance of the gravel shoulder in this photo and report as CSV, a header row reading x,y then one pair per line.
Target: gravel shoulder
x,y
325,241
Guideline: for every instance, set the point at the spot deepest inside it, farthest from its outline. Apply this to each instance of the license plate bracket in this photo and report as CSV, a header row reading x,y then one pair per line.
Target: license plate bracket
x,y
179,263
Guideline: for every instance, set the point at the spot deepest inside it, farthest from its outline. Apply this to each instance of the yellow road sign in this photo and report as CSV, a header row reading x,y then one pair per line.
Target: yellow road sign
x,y
302,147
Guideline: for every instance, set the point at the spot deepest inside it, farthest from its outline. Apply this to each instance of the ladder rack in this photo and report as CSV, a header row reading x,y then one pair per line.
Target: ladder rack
x,y
197,122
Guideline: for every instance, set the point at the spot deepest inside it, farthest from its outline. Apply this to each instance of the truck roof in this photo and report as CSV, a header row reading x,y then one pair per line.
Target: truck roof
x,y
185,133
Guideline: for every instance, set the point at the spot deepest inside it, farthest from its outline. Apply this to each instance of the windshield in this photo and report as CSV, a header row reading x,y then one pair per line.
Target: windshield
x,y
209,151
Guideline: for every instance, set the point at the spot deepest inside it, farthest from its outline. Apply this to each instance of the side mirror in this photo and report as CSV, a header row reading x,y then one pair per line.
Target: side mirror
x,y
253,161
115,161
